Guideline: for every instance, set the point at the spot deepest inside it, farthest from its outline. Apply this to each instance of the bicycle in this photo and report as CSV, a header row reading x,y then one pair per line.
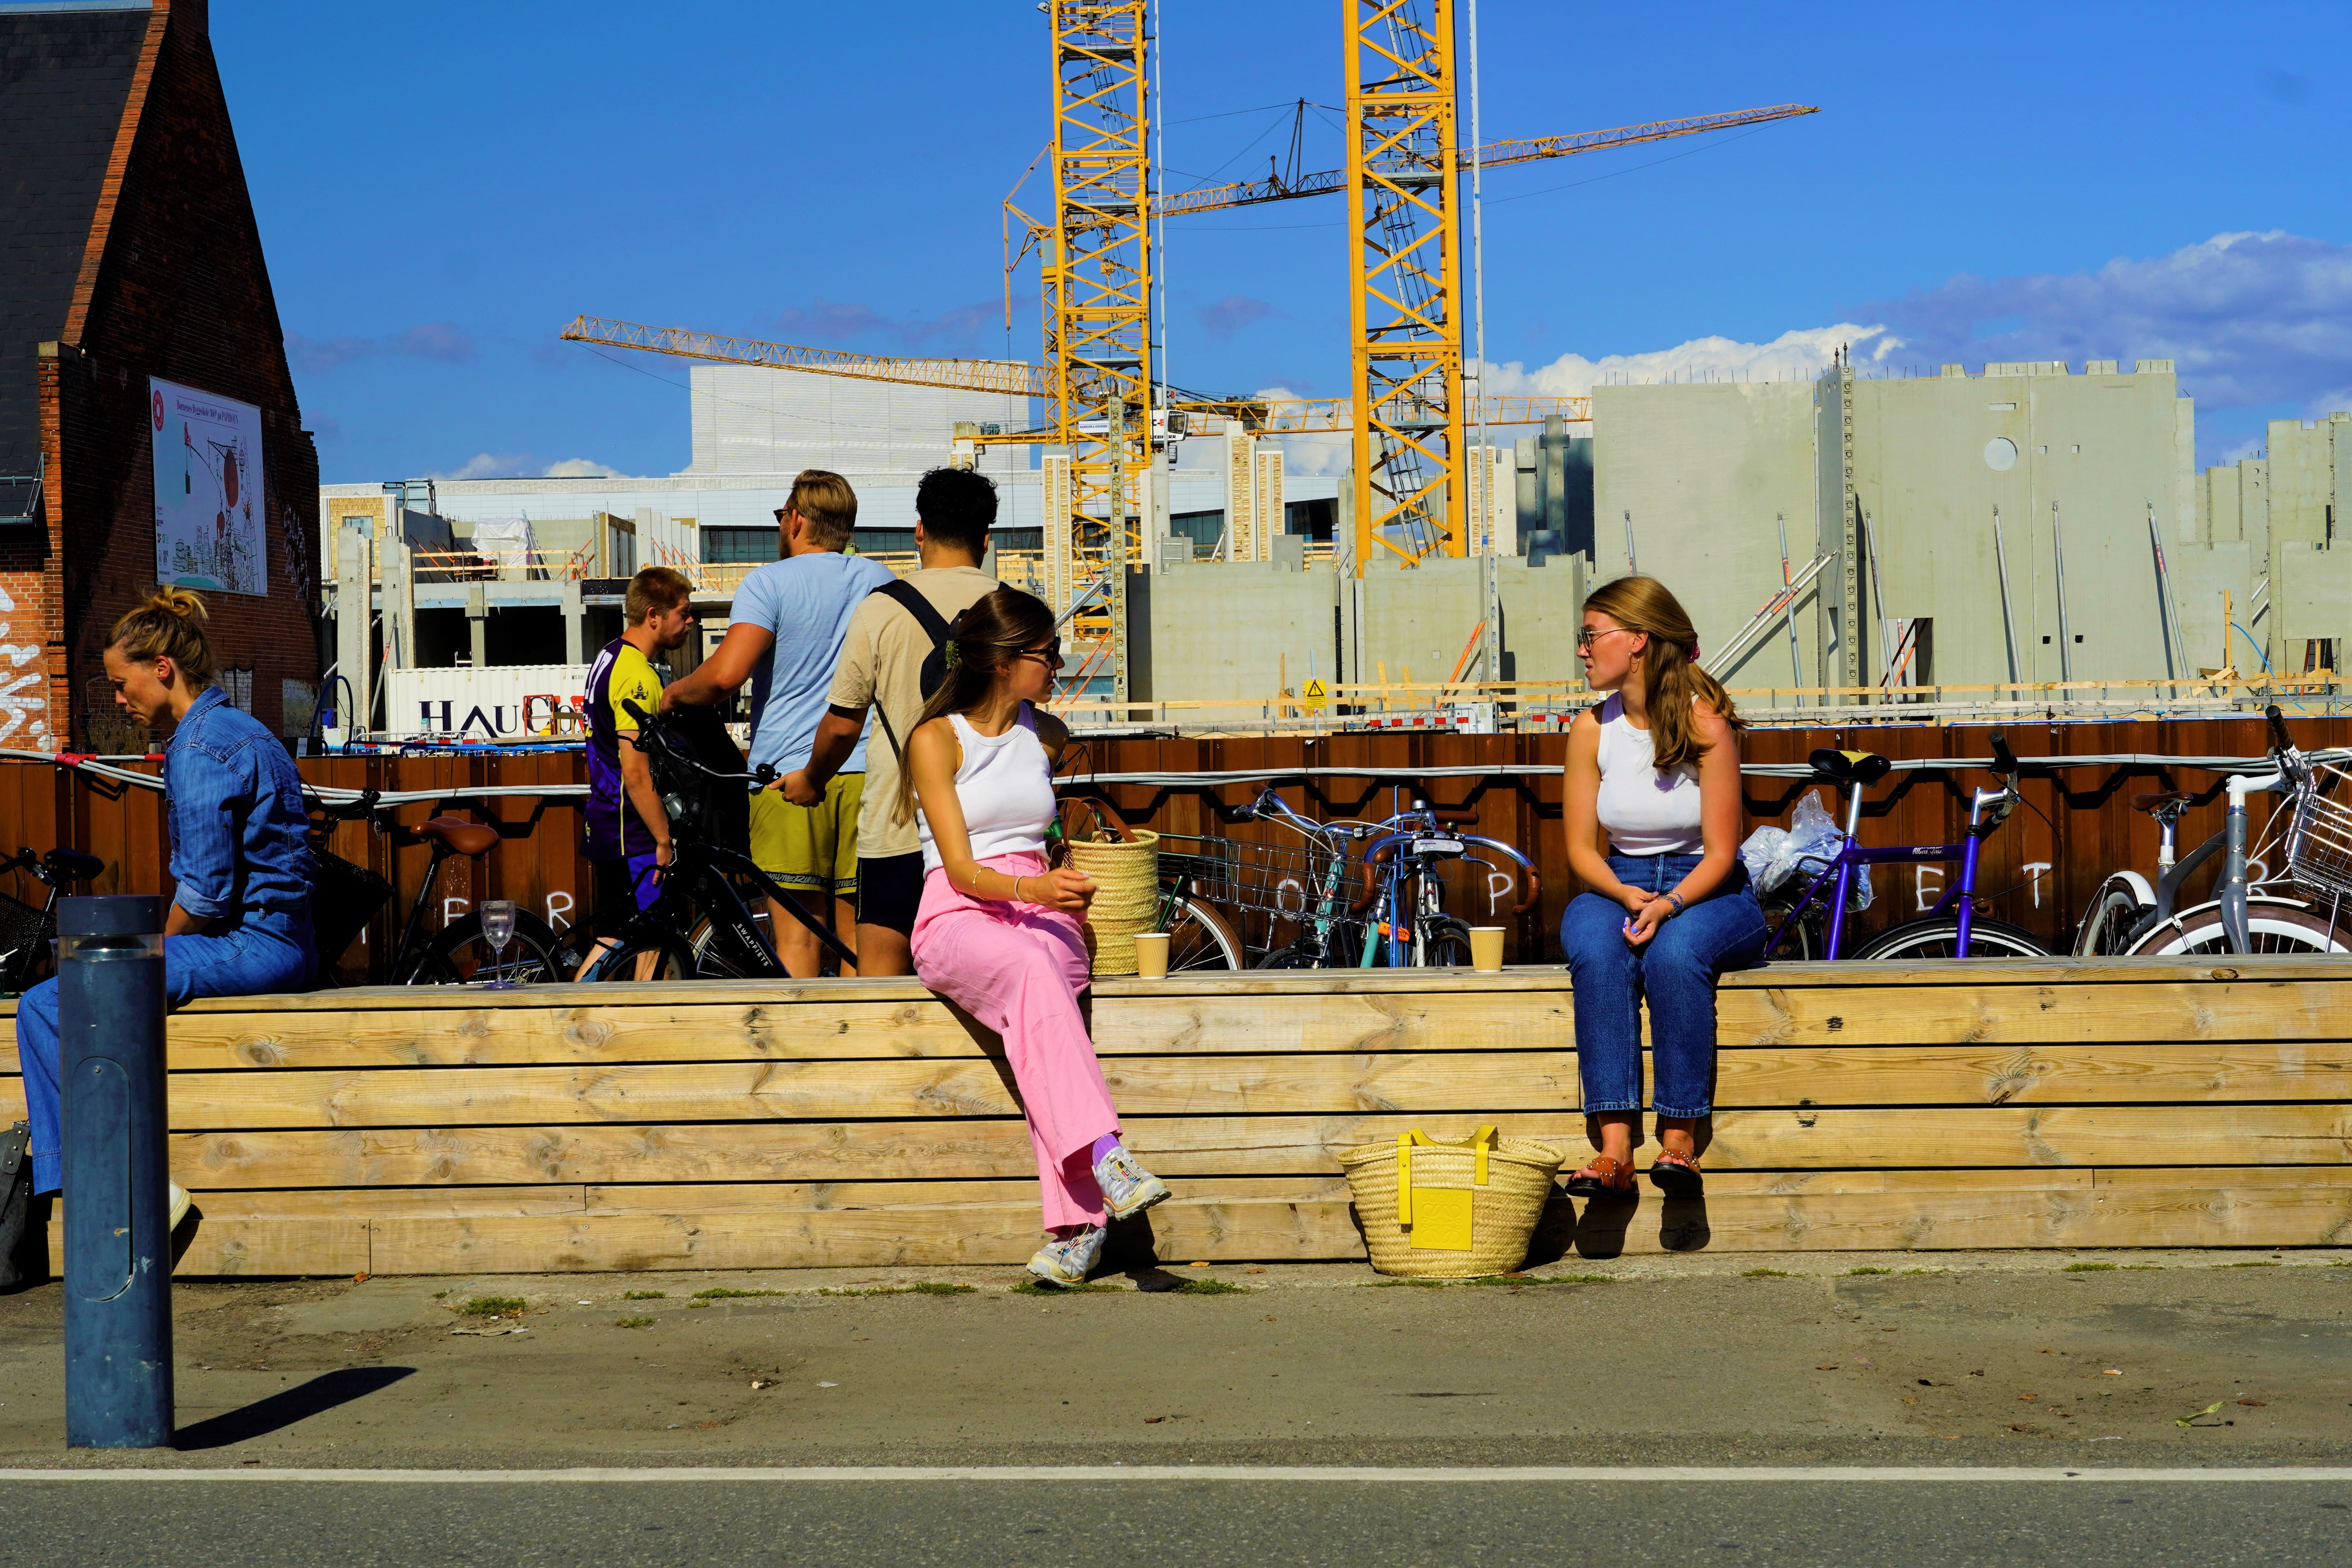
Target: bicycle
x,y
1951,928
348,897
2127,918
1270,886
1401,868
26,933
699,926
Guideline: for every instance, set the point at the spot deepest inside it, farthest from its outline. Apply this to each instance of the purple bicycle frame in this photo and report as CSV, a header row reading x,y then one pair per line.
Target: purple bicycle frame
x,y
1850,856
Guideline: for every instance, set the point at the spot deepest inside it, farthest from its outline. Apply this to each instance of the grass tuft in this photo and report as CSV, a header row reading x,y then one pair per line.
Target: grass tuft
x,y
645,1295
920,1287
2089,1268
1766,1274
2253,1263
1040,1288
633,1322
491,1306
724,1293
1852,1273
1208,1288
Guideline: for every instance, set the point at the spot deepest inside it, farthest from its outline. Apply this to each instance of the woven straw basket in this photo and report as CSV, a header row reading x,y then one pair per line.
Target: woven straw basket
x,y
1435,1210
1127,894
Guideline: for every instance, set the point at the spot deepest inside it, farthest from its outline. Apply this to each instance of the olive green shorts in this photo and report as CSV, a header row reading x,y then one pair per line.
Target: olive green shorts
x,y
811,846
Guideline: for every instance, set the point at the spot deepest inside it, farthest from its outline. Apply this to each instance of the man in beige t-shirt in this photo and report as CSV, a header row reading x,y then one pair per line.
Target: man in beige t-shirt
x,y
881,662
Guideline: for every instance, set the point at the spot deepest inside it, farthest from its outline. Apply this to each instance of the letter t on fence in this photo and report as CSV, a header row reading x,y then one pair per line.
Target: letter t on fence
x,y
110,997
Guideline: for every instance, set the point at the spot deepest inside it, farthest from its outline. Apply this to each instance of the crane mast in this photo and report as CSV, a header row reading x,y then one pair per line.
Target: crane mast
x,y
1404,276
1098,297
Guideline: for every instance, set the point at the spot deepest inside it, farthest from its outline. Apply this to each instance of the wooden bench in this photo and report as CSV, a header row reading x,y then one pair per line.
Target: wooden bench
x,y
2130,1103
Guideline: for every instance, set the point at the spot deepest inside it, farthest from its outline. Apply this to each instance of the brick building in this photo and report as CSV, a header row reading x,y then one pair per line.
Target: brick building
x,y
129,255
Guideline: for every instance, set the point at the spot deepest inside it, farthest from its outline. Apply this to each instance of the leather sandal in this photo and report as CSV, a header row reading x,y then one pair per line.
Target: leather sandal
x,y
1676,1174
1604,1175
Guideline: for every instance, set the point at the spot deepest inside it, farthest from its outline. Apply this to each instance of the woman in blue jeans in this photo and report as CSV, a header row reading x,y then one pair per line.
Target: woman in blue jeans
x,y
240,918
1667,908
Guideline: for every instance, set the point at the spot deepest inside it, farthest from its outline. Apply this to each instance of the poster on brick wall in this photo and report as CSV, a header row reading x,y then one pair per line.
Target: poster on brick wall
x,y
208,511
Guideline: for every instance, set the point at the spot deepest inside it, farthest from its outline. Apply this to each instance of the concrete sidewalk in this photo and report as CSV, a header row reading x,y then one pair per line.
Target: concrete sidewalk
x,y
1935,1358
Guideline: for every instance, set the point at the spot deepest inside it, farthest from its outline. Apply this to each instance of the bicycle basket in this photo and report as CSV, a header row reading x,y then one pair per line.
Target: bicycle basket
x,y
2319,841
22,927
343,900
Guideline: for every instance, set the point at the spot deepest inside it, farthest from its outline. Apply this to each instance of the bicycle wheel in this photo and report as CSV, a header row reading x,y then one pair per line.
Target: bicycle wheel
x,y
1797,943
1446,944
1939,936
702,946
2270,928
643,958
2106,930
1200,936
458,955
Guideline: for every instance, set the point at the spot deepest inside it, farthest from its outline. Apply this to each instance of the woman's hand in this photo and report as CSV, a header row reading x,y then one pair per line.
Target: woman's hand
x,y
1646,920
1067,890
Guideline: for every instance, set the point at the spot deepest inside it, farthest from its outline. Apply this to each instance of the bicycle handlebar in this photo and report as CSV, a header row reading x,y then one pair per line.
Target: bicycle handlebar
x,y
649,725
2004,761
2280,739
1452,816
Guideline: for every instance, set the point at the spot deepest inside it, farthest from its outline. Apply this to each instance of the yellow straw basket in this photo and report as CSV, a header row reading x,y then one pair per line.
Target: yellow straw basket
x,y
1127,894
1435,1210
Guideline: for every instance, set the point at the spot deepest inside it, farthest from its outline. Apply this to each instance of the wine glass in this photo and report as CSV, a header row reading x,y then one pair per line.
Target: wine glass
x,y
497,930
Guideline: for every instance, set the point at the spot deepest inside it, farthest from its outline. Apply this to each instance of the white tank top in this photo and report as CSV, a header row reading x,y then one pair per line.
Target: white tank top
x,y
1005,784
1646,812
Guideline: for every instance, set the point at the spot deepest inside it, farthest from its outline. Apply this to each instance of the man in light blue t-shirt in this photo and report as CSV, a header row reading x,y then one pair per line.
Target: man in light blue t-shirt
x,y
784,639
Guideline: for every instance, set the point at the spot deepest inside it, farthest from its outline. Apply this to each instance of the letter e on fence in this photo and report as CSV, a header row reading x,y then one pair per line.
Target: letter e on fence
x,y
1919,881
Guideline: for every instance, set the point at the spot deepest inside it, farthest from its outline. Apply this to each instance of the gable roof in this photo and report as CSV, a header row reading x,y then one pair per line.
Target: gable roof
x,y
64,77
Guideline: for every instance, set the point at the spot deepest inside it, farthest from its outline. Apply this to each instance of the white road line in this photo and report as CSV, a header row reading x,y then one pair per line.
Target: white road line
x,y
1376,1474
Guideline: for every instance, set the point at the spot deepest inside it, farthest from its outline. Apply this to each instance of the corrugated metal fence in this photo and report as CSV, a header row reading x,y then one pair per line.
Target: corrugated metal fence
x,y
2039,871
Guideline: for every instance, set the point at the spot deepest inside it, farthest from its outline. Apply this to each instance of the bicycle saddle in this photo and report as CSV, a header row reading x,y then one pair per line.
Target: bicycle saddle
x,y
2156,800
456,834
1849,767
74,864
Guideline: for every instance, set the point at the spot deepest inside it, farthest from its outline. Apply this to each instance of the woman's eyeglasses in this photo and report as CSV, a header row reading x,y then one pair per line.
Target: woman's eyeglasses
x,y
1587,635
1050,655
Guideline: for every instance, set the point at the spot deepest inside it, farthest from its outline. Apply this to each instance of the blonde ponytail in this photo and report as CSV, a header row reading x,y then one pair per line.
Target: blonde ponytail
x,y
169,624
1671,675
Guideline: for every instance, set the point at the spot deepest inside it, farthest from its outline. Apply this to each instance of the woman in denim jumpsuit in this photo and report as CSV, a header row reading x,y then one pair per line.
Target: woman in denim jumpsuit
x,y
1667,908
239,922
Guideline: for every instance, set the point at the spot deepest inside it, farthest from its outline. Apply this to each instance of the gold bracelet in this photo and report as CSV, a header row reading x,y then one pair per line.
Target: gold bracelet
x,y
1016,890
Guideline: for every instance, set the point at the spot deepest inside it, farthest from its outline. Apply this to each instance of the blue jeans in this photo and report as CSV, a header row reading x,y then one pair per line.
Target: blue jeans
x,y
1676,970
270,952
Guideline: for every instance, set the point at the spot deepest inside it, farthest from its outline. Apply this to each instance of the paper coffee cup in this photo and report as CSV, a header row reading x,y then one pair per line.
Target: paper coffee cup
x,y
1486,949
1150,954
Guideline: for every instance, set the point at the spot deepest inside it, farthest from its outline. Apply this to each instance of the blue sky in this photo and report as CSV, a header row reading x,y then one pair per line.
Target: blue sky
x,y
441,187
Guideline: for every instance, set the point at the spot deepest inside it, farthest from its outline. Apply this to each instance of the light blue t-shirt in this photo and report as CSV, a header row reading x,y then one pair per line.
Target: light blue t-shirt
x,y
805,603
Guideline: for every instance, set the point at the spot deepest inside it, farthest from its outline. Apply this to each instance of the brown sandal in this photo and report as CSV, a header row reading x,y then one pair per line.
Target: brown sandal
x,y
1604,1175
1676,1174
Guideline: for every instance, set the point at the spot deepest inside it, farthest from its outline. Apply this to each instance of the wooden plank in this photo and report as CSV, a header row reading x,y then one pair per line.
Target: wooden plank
x,y
850,1031
2319,1134
695,1091
790,1151
259,1245
673,1229
1955,1013
2022,1074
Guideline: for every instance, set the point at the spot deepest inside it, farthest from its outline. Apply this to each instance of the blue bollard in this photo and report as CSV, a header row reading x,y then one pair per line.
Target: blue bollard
x,y
111,998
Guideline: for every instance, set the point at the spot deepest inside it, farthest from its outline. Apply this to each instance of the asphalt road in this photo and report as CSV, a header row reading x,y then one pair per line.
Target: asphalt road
x,y
1248,1524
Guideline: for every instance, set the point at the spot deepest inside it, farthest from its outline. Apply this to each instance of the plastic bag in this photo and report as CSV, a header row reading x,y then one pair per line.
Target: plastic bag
x,y
1787,861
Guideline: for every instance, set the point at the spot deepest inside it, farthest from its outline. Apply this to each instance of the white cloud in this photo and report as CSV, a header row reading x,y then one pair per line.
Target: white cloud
x,y
579,469
2248,319
1792,356
487,466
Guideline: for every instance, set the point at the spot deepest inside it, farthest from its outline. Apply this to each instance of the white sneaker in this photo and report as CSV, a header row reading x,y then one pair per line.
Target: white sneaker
x,y
179,1205
1127,1187
1069,1261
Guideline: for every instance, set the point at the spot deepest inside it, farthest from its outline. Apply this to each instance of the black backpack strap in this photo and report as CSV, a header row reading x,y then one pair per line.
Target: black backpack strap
x,y
909,598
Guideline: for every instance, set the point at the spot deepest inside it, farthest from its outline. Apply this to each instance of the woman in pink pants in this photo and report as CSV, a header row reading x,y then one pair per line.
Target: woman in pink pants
x,y
997,932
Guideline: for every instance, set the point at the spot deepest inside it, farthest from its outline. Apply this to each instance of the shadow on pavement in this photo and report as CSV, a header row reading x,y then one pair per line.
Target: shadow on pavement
x,y
288,1406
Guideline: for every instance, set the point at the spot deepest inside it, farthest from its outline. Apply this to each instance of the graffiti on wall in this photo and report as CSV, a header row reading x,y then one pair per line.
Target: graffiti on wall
x,y
24,685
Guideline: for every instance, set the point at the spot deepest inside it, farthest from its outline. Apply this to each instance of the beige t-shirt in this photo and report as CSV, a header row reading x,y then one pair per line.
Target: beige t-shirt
x,y
882,656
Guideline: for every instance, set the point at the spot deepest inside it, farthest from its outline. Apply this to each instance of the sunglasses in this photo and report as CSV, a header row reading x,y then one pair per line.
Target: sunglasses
x,y
1587,635
1050,655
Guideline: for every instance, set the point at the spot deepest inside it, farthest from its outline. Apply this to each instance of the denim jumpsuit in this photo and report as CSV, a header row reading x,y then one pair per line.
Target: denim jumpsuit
x,y
239,858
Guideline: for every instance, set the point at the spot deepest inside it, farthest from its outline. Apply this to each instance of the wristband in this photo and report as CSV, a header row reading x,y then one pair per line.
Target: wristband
x,y
1016,890
1676,899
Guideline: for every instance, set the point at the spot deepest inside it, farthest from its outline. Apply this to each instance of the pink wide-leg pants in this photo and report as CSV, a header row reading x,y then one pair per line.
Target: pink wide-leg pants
x,y
1019,969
